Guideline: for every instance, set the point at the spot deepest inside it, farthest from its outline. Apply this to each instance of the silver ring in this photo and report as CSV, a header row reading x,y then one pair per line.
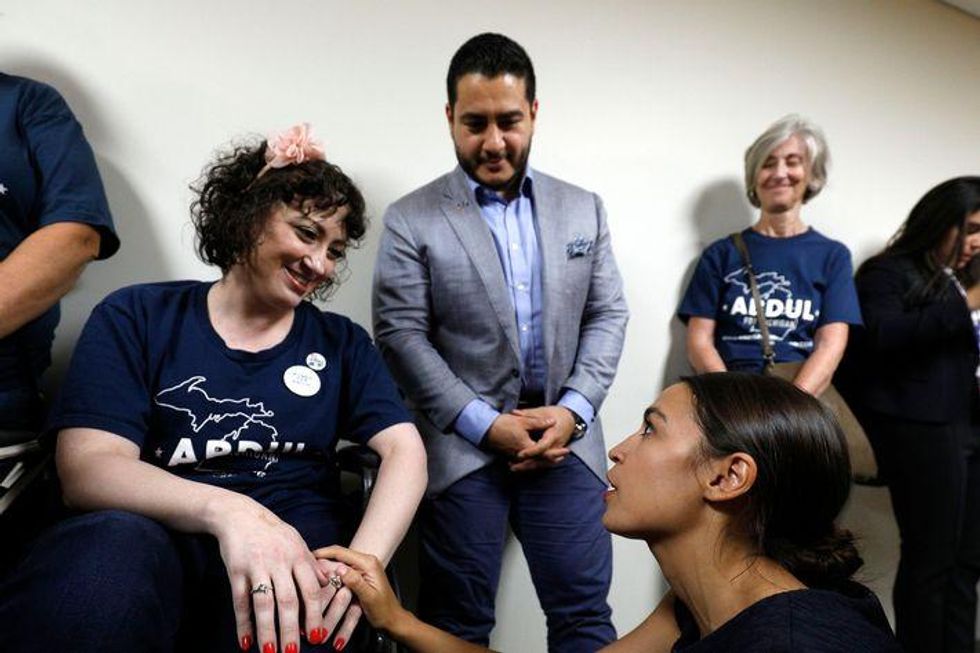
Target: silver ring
x,y
262,588
336,582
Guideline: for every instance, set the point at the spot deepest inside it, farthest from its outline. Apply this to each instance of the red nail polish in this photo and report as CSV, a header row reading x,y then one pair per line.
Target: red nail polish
x,y
268,647
339,643
316,636
291,648
246,642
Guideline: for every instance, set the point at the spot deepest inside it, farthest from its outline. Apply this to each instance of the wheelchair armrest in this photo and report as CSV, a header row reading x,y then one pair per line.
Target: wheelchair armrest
x,y
356,458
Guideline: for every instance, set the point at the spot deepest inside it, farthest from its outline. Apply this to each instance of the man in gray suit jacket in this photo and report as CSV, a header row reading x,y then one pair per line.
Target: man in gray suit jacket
x,y
500,311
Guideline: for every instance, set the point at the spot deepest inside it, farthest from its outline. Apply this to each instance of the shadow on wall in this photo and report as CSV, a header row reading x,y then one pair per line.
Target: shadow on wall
x,y
720,209
139,257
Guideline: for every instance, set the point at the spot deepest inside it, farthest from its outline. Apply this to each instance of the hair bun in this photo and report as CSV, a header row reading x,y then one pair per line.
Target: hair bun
x,y
826,562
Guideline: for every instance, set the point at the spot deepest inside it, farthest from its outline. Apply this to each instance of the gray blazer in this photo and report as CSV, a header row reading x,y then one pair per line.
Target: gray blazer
x,y
445,324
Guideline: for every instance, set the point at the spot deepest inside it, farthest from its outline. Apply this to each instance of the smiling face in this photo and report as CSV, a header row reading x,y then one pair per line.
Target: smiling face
x,y
492,123
781,182
297,251
969,248
657,482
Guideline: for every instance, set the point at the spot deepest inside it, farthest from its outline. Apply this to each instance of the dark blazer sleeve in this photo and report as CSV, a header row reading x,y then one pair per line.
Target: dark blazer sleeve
x,y
890,323
912,359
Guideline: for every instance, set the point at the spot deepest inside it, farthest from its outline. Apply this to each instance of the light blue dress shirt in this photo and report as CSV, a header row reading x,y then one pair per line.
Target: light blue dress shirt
x,y
512,225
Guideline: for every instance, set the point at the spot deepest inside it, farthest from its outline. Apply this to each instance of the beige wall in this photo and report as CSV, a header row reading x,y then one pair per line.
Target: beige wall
x,y
649,103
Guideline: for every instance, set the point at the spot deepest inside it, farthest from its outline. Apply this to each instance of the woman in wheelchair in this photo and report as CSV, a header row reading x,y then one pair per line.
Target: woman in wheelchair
x,y
197,432
734,481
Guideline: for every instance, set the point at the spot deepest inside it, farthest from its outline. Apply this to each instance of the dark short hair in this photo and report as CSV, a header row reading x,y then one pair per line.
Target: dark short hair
x,y
944,207
232,205
804,473
490,55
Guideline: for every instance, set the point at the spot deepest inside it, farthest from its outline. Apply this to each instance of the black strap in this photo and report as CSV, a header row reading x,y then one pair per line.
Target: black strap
x,y
768,353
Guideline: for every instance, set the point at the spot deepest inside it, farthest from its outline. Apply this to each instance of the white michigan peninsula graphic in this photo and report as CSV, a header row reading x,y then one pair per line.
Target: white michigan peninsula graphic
x,y
222,427
783,311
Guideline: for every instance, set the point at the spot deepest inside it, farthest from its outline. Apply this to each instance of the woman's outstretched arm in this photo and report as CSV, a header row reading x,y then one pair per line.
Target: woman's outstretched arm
x,y
365,576
655,634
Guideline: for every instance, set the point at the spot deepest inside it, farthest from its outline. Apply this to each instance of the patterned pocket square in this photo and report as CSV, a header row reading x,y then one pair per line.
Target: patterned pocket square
x,y
579,246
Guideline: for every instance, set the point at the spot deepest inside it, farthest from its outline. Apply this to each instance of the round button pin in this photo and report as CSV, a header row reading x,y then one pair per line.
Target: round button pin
x,y
316,361
301,381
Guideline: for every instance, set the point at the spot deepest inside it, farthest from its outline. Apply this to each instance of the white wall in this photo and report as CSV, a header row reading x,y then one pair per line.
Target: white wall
x,y
649,103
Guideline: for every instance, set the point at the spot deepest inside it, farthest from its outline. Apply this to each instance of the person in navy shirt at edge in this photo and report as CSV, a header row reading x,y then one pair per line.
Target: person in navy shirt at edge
x,y
719,481
804,277
54,219
198,423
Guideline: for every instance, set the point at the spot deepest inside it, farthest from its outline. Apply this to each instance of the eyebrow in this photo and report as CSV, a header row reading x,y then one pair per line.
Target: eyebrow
x,y
310,221
307,220
651,411
508,115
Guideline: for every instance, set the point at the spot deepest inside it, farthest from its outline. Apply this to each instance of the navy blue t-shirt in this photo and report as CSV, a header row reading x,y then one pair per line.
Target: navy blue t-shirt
x,y
150,367
801,621
47,175
805,282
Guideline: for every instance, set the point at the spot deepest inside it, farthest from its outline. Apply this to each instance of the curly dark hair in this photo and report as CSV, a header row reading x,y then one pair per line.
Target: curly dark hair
x,y
232,206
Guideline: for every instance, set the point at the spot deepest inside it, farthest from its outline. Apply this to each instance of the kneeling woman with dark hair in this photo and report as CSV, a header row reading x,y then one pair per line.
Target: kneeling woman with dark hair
x,y
734,481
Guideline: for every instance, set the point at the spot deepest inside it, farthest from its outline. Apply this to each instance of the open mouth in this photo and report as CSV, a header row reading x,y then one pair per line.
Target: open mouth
x,y
609,491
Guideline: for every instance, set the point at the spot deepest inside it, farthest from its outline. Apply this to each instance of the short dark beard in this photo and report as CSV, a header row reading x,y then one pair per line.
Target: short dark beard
x,y
509,188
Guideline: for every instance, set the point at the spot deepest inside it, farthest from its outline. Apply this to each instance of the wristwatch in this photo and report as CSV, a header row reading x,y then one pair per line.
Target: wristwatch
x,y
580,426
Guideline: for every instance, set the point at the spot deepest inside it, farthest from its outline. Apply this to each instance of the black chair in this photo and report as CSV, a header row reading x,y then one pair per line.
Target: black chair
x,y
29,493
363,463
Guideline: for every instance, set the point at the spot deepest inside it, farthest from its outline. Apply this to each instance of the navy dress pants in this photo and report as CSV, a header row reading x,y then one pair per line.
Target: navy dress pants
x,y
116,581
556,514
933,473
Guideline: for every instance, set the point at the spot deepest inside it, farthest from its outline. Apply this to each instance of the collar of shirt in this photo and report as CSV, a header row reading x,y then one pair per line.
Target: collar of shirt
x,y
486,195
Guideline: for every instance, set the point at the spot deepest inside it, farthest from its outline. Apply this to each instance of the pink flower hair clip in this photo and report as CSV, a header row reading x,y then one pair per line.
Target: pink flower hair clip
x,y
292,147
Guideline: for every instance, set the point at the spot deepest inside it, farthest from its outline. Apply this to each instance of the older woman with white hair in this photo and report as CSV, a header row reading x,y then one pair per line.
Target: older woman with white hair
x,y
801,279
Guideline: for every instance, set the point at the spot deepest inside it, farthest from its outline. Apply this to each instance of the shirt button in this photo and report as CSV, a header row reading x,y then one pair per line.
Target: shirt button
x,y
522,286
523,327
515,373
514,246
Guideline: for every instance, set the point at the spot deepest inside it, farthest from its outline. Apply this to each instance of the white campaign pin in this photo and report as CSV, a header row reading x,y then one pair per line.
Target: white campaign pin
x,y
301,381
316,361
